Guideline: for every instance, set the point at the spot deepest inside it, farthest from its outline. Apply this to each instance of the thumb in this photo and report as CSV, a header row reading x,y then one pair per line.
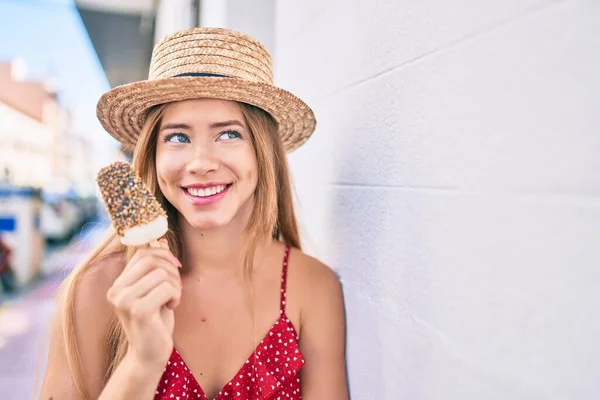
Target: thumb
x,y
164,243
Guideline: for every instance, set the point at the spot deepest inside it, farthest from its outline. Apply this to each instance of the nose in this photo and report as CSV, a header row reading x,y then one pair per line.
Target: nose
x,y
202,163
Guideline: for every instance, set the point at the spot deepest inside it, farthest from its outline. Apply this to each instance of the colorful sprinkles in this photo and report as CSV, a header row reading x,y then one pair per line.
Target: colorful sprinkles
x,y
127,199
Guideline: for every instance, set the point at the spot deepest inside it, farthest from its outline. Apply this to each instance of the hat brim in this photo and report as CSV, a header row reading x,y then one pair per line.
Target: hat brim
x,y
122,110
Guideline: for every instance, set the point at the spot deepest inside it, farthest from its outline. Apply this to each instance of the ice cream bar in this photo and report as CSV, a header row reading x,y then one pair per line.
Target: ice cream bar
x,y
135,213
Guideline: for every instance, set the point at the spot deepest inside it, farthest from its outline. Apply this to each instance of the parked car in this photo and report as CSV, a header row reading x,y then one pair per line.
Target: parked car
x,y
56,222
63,216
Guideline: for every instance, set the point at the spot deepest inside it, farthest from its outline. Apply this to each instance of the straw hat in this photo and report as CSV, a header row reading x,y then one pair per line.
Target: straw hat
x,y
205,63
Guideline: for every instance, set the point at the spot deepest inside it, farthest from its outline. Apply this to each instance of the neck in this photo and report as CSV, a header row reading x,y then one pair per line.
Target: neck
x,y
213,251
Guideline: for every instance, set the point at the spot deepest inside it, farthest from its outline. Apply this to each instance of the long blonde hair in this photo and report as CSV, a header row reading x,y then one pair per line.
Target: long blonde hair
x,y
272,217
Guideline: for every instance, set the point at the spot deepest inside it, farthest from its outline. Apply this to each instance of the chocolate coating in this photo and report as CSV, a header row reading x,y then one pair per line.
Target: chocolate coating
x,y
127,199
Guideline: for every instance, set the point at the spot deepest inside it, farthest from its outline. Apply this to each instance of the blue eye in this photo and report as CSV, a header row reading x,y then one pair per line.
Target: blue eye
x,y
177,138
230,135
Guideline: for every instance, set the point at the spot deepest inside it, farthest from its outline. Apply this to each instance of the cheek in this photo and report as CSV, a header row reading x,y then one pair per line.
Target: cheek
x,y
251,169
168,168
253,175
242,163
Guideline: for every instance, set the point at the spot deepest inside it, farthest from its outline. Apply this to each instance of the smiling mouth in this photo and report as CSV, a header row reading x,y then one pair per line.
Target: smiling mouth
x,y
206,192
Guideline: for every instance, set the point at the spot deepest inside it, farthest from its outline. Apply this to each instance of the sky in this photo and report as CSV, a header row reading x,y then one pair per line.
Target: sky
x,y
50,37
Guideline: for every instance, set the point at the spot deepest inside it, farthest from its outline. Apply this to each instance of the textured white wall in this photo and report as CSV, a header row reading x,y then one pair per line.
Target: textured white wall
x,y
453,183
172,16
213,13
255,18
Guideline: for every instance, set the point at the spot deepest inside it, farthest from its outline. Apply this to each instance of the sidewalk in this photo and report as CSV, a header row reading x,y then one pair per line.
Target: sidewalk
x,y
25,317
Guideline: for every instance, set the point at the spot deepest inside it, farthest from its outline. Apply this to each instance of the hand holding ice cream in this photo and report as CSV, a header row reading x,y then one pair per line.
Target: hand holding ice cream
x,y
149,288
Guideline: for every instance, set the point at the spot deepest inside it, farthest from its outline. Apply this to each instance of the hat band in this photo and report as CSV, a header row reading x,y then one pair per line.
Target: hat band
x,y
200,74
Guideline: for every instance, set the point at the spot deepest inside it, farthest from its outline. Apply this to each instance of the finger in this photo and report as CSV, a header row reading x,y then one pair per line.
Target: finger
x,y
156,298
165,252
124,300
158,251
169,253
148,282
143,267
172,304
153,252
134,258
164,243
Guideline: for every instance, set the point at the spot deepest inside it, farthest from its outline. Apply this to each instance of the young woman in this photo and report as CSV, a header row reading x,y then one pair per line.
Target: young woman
x,y
229,307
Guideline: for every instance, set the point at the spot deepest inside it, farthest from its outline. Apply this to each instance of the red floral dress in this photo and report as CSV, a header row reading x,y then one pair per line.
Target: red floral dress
x,y
271,371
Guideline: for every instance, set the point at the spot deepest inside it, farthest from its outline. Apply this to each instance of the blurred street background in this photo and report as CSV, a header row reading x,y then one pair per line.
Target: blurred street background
x,y
452,182
25,315
50,149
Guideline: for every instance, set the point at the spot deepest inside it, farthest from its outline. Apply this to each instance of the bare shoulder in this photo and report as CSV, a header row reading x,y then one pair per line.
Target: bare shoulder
x,y
99,277
94,282
311,273
91,311
318,287
322,328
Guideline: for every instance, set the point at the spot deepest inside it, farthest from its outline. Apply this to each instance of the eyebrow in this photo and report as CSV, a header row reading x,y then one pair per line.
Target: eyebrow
x,y
226,123
174,126
212,126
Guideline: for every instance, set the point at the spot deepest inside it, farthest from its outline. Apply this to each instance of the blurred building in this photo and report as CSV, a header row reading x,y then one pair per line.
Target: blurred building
x,y
38,148
123,33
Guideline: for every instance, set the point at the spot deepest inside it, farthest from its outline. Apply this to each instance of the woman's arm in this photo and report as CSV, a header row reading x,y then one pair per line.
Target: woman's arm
x,y
322,337
92,312
132,380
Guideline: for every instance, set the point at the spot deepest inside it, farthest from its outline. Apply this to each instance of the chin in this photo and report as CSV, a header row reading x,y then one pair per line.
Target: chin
x,y
206,222
206,225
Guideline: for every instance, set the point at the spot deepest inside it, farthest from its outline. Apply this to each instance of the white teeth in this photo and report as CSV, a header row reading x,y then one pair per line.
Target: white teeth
x,y
205,192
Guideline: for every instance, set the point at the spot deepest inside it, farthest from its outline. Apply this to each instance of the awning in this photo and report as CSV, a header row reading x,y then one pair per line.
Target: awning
x,y
122,33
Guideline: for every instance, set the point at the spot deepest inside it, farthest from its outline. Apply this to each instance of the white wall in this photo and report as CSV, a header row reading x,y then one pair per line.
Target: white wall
x,y
172,16
453,183
255,18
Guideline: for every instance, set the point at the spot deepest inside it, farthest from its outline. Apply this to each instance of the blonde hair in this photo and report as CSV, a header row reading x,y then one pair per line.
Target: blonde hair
x,y
272,217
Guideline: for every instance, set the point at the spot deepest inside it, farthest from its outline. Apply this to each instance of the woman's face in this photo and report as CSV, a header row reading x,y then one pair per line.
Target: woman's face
x,y
205,162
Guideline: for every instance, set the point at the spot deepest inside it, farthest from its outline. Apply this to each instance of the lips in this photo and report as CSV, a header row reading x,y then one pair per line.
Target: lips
x,y
202,195
206,192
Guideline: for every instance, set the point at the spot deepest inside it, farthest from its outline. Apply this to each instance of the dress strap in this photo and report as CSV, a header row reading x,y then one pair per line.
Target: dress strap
x,y
284,280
